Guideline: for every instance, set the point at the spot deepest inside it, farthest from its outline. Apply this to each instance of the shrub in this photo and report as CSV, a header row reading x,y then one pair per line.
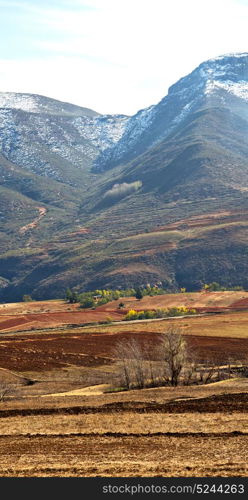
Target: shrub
x,y
159,313
109,319
121,190
87,303
27,298
139,294
131,315
150,314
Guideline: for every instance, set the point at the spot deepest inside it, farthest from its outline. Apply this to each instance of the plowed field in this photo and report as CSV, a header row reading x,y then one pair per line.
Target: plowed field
x,y
53,319
49,314
196,431
204,437
39,353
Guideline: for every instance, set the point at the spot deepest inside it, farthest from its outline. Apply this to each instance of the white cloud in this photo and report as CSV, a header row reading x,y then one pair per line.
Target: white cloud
x,y
120,56
85,84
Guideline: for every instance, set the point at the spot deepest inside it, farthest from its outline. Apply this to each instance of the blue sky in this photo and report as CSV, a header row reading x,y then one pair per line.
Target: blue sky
x,y
114,56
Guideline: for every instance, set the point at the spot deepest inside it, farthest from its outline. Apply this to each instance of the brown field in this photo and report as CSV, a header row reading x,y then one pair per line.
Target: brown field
x,y
124,456
35,321
59,421
50,314
209,336
198,437
228,324
192,300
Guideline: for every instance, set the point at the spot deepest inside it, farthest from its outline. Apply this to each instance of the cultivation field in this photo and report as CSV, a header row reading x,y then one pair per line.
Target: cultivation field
x,y
154,432
212,337
205,300
53,313
36,307
228,324
29,321
49,314
118,435
58,420
124,456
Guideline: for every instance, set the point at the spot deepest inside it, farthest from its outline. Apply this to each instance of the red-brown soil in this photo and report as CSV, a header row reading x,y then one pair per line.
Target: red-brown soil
x,y
216,403
124,456
240,304
50,314
202,301
203,221
53,319
34,352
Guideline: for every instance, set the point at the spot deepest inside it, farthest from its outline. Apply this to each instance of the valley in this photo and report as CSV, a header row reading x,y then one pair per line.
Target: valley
x,y
156,201
62,401
127,199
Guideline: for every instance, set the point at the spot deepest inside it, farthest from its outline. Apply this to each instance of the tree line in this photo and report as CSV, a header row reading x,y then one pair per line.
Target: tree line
x,y
169,312
99,297
168,360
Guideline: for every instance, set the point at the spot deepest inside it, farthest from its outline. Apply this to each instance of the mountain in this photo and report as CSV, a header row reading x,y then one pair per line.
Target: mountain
x,y
52,138
89,200
213,83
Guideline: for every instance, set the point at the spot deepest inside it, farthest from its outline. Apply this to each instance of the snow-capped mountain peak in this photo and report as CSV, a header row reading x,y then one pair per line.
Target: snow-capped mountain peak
x,y
35,103
230,67
78,134
24,102
36,132
227,73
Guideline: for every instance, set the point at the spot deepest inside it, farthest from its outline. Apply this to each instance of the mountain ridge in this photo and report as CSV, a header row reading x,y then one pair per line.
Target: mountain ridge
x,y
186,100
107,185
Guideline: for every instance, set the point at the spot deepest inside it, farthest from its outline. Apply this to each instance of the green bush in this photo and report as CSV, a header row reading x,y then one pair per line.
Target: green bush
x,y
87,303
131,315
27,298
159,313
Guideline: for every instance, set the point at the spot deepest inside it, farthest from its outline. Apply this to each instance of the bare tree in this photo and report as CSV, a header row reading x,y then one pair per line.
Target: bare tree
x,y
121,352
139,365
131,363
152,373
173,352
170,362
5,390
190,373
208,371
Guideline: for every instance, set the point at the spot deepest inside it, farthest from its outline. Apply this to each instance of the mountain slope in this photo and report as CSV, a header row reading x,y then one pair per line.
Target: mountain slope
x,y
158,196
204,158
217,79
50,137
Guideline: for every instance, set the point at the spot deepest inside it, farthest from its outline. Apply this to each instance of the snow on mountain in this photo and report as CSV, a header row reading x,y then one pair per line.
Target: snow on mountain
x,y
149,126
35,103
238,89
102,131
24,102
36,131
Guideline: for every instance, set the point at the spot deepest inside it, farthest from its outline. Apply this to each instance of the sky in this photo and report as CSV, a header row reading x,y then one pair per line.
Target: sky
x,y
113,56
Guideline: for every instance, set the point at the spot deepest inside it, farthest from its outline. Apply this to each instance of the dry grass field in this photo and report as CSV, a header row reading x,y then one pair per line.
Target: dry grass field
x,y
53,313
59,418
188,299
207,436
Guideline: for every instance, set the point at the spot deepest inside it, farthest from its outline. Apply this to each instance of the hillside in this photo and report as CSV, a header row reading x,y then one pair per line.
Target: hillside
x,y
61,386
93,201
